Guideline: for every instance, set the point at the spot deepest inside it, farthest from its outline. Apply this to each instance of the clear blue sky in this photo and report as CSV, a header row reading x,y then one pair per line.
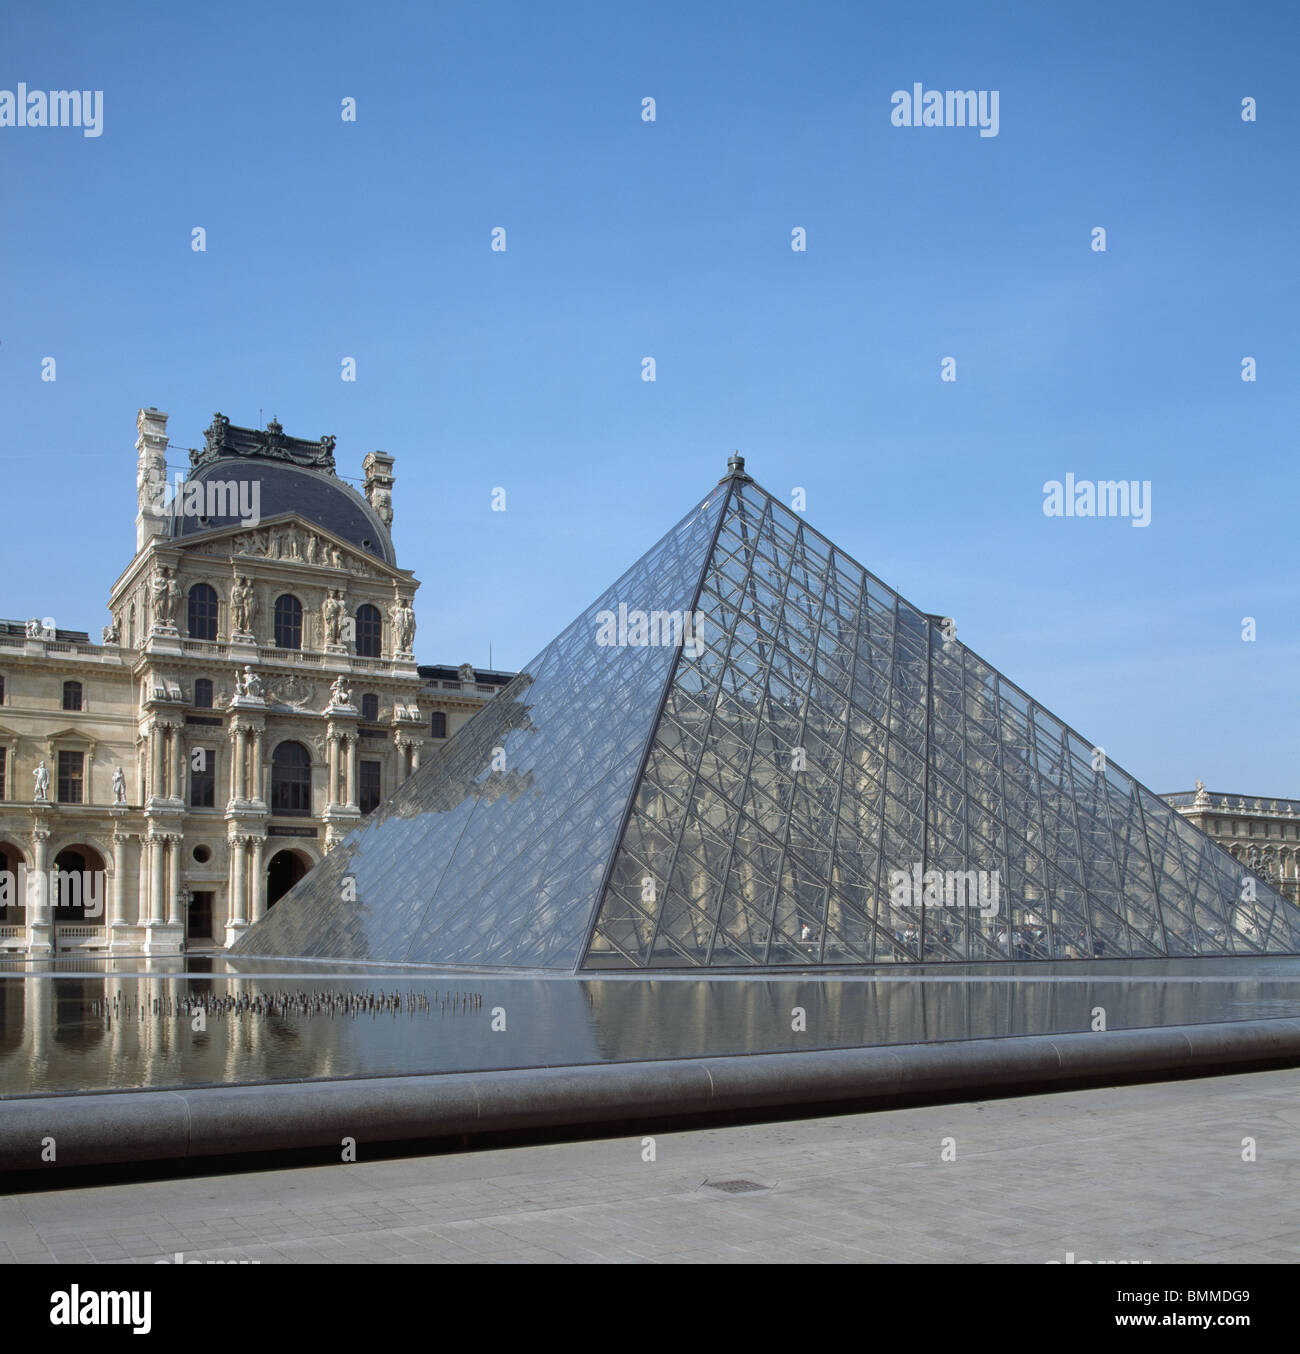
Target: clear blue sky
x,y
671,239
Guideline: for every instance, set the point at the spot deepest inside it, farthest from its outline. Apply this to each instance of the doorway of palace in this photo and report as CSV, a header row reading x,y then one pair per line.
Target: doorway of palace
x,y
79,891
283,871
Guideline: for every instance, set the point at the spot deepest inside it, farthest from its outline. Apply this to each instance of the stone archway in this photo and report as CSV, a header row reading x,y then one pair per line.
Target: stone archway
x,y
79,888
13,892
283,871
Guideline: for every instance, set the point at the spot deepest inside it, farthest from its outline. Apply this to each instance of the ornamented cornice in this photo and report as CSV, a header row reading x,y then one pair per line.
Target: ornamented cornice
x,y
224,438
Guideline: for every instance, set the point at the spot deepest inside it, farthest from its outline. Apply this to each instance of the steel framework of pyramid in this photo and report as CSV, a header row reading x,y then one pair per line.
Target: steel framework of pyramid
x,y
813,774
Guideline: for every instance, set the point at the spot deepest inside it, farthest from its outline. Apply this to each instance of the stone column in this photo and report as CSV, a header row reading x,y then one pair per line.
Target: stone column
x,y
159,883
238,879
352,771
120,840
157,789
174,918
40,924
179,737
41,859
142,884
415,755
333,796
238,766
255,789
259,878
402,750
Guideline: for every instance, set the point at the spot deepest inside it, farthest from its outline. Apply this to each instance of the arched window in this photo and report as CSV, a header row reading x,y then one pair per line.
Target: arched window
x,y
203,693
370,631
291,779
288,622
438,724
203,612
370,707
72,695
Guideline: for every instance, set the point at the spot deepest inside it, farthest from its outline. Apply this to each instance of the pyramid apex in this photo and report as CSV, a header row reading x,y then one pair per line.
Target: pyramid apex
x,y
736,467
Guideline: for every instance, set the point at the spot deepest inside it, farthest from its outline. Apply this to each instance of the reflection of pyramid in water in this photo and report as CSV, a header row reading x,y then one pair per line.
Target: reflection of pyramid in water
x,y
768,796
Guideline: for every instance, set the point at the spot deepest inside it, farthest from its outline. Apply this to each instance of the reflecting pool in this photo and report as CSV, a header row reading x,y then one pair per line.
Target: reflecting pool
x,y
74,1025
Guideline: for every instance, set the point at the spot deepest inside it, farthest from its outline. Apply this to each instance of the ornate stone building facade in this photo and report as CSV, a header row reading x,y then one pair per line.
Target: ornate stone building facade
x,y
1264,834
254,694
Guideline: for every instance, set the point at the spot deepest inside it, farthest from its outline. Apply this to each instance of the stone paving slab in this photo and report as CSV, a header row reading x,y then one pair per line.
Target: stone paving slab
x,y
1149,1172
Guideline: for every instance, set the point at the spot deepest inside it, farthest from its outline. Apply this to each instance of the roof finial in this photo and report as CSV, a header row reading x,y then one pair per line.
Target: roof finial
x,y
736,465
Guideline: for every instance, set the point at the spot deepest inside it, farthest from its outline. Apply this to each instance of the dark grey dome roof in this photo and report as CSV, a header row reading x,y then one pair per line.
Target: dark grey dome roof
x,y
316,495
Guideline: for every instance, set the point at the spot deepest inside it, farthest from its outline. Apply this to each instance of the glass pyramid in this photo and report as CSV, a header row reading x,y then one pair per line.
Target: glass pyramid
x,y
814,773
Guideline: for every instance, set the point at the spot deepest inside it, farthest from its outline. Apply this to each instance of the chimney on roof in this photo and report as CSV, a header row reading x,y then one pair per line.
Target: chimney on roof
x,y
150,475
378,466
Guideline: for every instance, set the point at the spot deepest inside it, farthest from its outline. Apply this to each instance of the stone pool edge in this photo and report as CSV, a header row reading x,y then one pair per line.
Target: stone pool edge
x,y
168,1125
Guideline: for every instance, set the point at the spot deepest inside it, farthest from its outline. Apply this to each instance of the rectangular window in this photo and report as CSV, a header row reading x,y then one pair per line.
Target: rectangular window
x,y
438,724
71,766
368,787
4,755
203,778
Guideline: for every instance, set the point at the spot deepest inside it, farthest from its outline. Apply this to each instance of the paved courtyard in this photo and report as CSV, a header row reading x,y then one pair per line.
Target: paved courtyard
x,y
1125,1173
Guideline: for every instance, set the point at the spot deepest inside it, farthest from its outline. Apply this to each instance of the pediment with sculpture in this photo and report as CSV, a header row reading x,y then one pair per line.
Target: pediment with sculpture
x,y
286,539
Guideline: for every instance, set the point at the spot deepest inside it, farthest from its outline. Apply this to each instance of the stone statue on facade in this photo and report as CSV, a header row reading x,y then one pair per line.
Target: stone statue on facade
x,y
111,633
340,694
402,616
332,617
165,594
42,777
406,632
34,629
243,606
119,786
248,685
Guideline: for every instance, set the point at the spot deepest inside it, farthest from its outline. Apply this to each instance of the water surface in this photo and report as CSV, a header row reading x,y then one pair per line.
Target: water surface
x,y
79,1025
